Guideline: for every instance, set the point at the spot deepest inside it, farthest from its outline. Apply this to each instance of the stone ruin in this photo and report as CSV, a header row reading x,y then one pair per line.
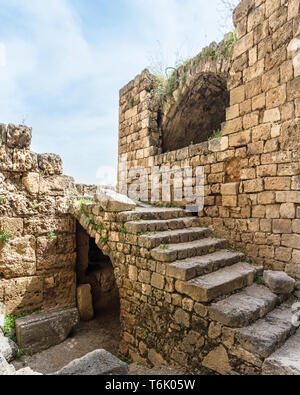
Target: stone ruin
x,y
188,298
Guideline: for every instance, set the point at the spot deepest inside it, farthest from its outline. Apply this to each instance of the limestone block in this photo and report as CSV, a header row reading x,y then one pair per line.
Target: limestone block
x,y
279,282
272,115
12,225
18,260
18,136
230,189
293,47
39,331
8,348
5,158
217,360
32,182
50,164
96,363
296,64
155,358
85,302
23,294
5,368
113,201
23,160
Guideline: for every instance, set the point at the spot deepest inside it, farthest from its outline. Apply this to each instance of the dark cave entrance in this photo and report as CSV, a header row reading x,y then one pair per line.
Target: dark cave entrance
x,y
95,268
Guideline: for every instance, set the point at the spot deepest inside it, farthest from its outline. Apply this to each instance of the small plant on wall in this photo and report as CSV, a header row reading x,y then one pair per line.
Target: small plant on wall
x,y
52,236
5,236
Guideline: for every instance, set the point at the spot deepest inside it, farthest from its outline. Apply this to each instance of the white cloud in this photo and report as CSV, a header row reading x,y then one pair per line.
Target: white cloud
x,y
66,86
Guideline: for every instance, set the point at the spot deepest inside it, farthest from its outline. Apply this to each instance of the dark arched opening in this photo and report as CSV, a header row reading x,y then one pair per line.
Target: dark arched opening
x,y
198,114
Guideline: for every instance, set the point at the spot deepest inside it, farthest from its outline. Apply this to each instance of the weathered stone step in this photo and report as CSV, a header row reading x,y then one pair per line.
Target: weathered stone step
x,y
198,266
142,226
266,335
153,213
286,360
245,307
173,252
173,236
219,283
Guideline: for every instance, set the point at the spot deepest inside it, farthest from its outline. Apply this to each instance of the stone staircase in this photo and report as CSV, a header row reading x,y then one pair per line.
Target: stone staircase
x,y
210,273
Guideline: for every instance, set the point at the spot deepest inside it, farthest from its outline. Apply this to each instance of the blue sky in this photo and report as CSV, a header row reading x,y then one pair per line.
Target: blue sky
x,y
62,63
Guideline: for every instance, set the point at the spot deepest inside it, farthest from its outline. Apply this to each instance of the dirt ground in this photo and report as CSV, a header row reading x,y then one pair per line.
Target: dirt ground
x,y
102,332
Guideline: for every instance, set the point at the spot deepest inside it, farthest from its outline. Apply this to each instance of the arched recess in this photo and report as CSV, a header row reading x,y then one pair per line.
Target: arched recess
x,y
198,112
95,268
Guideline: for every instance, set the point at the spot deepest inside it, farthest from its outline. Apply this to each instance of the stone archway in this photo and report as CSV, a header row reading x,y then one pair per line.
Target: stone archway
x,y
197,114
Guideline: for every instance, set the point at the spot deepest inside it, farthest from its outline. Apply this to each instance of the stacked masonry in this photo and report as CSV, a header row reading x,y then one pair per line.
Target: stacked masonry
x,y
189,301
252,172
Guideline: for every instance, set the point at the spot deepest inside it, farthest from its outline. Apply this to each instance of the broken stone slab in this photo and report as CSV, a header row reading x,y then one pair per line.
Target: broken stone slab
x,y
85,302
113,201
96,363
8,348
5,368
286,360
279,282
38,332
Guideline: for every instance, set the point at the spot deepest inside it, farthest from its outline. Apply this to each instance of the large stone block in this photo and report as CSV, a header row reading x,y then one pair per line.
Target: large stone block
x,y
18,259
279,282
8,348
113,201
96,363
5,368
85,302
50,164
18,136
40,331
23,294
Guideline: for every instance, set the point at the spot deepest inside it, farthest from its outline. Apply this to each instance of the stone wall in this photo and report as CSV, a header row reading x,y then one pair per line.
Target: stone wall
x,y
37,266
251,172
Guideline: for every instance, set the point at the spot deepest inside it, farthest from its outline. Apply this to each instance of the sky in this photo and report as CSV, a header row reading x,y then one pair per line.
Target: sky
x,y
63,62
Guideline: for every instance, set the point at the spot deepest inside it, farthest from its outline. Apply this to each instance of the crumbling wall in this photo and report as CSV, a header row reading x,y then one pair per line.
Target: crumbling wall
x,y
251,172
37,234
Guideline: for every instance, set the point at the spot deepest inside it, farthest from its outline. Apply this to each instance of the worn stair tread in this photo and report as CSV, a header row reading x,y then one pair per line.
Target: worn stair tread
x,y
153,213
222,282
173,236
144,226
286,360
173,252
266,335
190,268
245,307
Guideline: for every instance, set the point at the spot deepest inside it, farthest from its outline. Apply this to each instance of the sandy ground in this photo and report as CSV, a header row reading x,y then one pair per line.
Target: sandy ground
x,y
102,332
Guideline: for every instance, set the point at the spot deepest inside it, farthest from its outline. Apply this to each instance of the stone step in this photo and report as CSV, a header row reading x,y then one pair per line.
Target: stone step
x,y
286,360
173,236
153,213
140,227
173,252
222,282
198,266
266,335
245,307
